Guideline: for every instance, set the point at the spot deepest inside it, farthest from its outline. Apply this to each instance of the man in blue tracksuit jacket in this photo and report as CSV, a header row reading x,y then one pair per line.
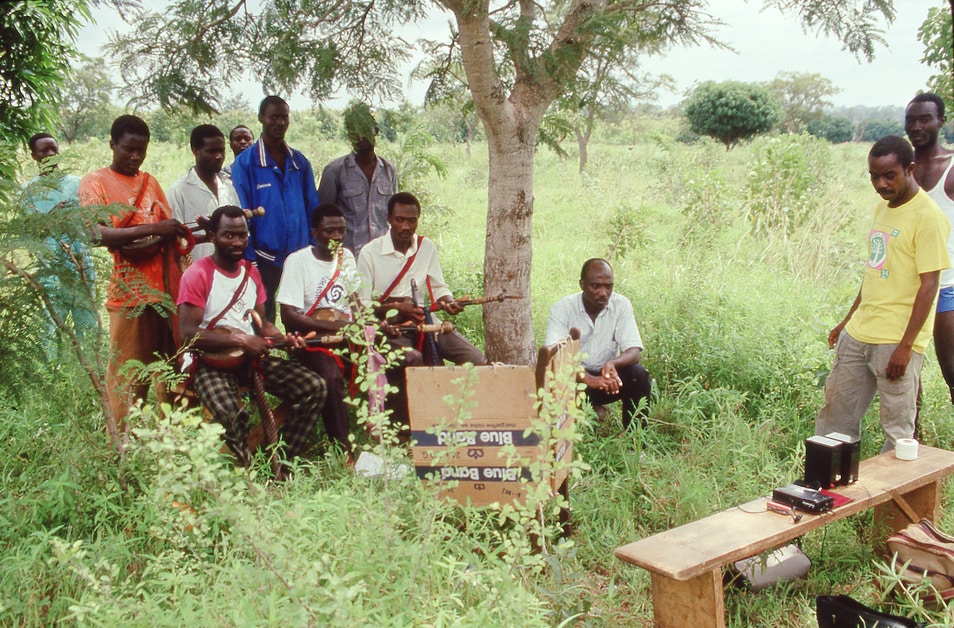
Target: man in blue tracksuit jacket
x,y
272,175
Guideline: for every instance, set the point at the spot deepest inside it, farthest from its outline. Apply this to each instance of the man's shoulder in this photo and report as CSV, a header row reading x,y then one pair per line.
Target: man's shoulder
x,y
337,163
566,303
180,182
199,271
95,176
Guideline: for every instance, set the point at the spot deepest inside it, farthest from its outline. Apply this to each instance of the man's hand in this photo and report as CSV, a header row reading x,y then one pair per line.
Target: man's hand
x,y
601,382
834,333
407,311
449,305
255,346
898,363
169,228
611,378
295,341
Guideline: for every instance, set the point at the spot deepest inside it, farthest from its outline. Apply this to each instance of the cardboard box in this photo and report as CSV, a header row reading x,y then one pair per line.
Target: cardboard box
x,y
471,454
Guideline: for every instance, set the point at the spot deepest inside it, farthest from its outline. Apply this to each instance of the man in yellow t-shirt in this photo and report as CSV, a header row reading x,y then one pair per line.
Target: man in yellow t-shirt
x,y
881,342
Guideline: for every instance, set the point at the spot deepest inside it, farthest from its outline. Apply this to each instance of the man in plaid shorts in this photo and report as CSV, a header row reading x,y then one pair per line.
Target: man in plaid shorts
x,y
217,292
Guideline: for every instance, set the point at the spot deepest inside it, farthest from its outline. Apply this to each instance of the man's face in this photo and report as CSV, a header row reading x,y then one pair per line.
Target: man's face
x,y
597,286
129,153
891,179
331,228
231,238
240,139
403,221
275,121
44,149
922,123
210,157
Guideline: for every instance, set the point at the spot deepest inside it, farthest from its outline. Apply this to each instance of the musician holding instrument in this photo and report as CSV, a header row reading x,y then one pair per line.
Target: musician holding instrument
x,y
315,296
145,242
205,186
214,321
401,264
610,343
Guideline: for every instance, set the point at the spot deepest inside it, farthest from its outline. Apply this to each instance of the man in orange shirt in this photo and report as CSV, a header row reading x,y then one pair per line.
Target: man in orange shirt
x,y
144,282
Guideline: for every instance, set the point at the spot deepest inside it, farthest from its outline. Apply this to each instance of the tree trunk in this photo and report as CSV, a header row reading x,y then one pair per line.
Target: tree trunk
x,y
508,326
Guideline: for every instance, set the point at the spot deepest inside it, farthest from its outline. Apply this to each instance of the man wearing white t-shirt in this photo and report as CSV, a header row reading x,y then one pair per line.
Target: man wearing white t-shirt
x,y
610,343
314,295
217,292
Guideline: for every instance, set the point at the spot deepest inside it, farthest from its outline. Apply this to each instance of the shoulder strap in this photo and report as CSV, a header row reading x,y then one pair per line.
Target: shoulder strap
x,y
406,267
142,193
235,297
331,282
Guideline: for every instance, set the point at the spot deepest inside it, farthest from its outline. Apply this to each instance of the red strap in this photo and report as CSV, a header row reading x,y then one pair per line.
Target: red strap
x,y
235,297
407,267
331,282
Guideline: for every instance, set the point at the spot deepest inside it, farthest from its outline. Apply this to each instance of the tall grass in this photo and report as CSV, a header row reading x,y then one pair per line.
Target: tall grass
x,y
734,320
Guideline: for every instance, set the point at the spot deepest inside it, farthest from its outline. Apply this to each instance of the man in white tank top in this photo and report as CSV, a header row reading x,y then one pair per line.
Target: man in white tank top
x,y
923,120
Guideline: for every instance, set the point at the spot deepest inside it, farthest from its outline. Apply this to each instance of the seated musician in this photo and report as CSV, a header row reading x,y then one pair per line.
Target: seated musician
x,y
314,295
399,260
609,341
217,292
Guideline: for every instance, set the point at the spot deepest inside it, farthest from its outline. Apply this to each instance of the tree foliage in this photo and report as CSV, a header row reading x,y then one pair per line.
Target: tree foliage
x,y
85,101
874,129
731,111
936,35
835,129
803,97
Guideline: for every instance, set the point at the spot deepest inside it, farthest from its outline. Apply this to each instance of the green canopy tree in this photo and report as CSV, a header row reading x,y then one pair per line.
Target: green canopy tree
x,y
731,111
803,96
937,35
85,102
518,57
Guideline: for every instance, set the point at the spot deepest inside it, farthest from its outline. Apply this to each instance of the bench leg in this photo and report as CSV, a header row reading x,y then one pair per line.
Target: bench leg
x,y
924,502
696,603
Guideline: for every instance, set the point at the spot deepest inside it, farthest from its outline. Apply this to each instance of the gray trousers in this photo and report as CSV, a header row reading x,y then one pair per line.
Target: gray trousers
x,y
857,374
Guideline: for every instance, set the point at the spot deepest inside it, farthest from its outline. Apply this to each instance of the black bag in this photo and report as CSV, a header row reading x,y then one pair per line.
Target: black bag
x,y
841,611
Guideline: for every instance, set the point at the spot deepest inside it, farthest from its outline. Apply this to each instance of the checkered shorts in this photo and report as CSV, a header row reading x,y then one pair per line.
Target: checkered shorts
x,y
299,387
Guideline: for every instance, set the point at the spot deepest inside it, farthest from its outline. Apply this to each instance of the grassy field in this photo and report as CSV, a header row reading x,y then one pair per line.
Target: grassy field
x,y
738,263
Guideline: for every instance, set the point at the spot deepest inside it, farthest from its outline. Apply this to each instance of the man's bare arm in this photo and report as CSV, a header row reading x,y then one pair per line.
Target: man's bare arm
x,y
923,302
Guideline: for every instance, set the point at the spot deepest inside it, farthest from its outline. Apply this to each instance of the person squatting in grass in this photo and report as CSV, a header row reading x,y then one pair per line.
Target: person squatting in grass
x,y
218,291
610,344
880,343
934,173
140,288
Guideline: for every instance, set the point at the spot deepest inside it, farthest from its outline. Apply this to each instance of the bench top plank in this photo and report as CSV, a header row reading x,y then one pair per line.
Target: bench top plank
x,y
742,531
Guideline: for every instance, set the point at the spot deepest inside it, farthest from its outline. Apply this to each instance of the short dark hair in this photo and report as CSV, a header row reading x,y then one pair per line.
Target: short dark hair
x,y
404,198
270,100
127,124
201,133
893,145
36,138
931,97
592,262
241,126
325,210
231,211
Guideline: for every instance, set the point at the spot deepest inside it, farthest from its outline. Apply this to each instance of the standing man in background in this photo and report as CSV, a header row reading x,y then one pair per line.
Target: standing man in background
x,y
923,120
205,187
70,260
143,287
360,183
272,175
880,343
240,138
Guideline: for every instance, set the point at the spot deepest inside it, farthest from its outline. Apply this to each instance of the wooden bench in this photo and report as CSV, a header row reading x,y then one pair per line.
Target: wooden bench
x,y
686,562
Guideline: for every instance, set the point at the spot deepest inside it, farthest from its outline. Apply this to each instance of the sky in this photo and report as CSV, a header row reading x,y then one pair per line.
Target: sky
x,y
766,42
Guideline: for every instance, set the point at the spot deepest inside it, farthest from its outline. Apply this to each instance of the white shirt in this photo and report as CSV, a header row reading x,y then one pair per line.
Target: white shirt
x,y
613,331
190,197
379,264
304,277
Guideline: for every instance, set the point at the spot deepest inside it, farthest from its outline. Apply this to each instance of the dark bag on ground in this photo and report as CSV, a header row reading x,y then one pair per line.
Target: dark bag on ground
x,y
841,611
924,553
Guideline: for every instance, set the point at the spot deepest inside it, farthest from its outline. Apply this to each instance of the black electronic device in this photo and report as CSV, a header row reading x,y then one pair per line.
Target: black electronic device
x,y
850,456
822,461
804,499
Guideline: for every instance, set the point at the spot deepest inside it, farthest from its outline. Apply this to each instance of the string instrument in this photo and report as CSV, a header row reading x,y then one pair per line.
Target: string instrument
x,y
500,298
234,357
148,246
432,353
